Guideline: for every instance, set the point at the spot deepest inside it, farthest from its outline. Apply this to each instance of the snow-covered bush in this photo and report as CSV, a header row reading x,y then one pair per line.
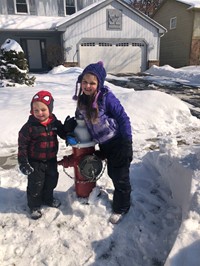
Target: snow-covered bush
x,y
13,65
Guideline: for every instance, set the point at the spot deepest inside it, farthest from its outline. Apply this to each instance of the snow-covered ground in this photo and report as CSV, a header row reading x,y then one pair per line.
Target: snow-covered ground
x,y
164,177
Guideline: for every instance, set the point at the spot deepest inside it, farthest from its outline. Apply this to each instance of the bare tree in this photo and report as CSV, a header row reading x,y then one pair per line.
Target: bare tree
x,y
147,7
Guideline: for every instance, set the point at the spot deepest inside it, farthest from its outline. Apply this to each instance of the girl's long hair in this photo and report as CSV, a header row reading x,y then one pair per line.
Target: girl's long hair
x,y
85,102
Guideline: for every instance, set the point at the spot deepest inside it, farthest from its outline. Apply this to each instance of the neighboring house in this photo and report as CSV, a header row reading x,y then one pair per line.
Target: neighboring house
x,y
180,46
79,32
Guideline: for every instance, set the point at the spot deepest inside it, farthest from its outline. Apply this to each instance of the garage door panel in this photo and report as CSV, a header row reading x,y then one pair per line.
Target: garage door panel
x,y
117,58
127,59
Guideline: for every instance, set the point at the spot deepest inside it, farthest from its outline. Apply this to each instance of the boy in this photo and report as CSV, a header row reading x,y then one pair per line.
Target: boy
x,y
37,152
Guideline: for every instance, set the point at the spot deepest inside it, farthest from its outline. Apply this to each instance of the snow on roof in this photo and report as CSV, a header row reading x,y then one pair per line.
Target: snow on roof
x,y
23,22
192,3
80,12
27,22
33,23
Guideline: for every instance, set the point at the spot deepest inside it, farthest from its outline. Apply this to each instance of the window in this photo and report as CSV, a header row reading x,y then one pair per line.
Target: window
x,y
88,44
122,44
70,7
21,6
105,44
173,23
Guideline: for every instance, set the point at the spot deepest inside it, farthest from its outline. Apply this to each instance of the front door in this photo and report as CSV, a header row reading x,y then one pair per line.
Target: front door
x,y
34,50
34,54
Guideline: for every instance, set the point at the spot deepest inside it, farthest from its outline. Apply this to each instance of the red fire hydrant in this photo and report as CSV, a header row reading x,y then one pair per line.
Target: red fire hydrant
x,y
87,166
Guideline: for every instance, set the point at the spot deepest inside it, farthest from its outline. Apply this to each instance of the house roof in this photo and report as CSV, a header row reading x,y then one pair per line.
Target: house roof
x,y
191,3
91,9
35,23
45,23
28,23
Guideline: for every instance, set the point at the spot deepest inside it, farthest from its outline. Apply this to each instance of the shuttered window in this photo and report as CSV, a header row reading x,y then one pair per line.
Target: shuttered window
x,y
70,7
21,6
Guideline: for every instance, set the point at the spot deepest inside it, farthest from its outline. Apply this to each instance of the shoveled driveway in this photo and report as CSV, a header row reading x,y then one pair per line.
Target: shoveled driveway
x,y
190,95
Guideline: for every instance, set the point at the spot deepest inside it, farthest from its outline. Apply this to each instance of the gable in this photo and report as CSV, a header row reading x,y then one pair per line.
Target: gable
x,y
98,6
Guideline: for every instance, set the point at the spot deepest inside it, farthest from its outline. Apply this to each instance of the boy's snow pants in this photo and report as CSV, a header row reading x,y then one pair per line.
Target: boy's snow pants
x,y
41,183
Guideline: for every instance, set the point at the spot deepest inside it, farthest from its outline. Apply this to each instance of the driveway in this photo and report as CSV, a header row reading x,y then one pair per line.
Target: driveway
x,y
191,95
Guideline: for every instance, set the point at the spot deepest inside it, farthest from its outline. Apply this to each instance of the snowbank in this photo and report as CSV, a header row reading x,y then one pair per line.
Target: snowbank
x,y
182,181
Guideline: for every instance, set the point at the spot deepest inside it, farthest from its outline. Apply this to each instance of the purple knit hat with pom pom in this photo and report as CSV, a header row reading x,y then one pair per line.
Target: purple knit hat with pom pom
x,y
99,71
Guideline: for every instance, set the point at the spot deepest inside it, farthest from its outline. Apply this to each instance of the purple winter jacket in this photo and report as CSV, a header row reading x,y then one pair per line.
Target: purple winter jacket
x,y
113,120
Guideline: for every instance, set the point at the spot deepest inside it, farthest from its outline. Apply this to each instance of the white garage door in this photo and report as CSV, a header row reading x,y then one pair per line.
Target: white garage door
x,y
123,57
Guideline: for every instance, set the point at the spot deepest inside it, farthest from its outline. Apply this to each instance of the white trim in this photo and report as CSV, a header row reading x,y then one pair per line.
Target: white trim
x,y
75,5
173,22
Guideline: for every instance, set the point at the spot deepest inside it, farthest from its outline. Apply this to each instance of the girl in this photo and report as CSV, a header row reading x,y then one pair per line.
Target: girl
x,y
110,127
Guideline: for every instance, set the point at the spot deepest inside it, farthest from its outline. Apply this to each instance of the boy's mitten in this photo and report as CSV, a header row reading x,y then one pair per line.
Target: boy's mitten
x,y
70,124
26,169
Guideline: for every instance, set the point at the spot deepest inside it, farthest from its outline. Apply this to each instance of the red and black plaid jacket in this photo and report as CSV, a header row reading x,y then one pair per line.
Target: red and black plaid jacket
x,y
39,142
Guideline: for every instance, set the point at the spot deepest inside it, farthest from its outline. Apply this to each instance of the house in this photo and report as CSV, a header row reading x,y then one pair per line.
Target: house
x,y
78,32
180,46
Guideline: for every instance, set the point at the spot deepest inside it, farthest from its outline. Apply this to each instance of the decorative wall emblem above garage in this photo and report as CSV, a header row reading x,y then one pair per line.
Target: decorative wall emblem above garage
x,y
114,19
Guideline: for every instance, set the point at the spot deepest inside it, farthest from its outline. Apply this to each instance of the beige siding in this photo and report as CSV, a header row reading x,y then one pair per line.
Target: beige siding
x,y
176,43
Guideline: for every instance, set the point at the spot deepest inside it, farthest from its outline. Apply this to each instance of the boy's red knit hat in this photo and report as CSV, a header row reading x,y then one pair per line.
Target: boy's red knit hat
x,y
44,97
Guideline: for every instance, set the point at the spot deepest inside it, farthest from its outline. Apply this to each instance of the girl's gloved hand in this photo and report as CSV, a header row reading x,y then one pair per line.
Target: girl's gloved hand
x,y
127,148
123,153
70,124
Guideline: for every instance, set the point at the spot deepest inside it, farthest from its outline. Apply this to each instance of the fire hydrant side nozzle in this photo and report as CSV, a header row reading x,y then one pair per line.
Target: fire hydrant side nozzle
x,y
86,165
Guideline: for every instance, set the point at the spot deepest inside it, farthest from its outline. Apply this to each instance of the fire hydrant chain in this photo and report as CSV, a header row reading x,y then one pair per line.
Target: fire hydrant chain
x,y
91,179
